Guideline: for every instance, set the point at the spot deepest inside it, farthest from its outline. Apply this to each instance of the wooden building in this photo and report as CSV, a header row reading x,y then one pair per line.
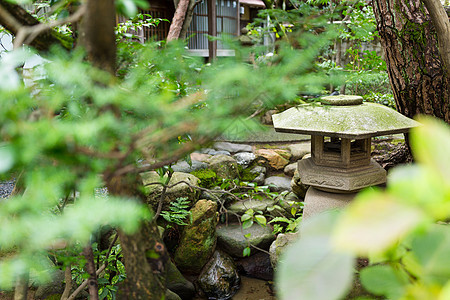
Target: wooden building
x,y
214,18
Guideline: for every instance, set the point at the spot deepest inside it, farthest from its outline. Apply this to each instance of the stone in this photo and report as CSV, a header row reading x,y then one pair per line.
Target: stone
x,y
211,152
200,156
279,245
276,158
340,179
170,295
224,166
244,158
231,238
317,201
361,121
198,239
176,282
153,191
232,147
298,151
297,186
278,183
290,169
184,167
306,156
260,173
219,279
256,266
55,287
242,206
267,117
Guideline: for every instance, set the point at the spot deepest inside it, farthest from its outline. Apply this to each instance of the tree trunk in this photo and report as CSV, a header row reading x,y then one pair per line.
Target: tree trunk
x,y
90,269
416,72
97,34
13,17
441,23
178,20
188,18
144,253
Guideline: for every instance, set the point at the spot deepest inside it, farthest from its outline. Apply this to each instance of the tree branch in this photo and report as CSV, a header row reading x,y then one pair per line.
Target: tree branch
x,y
98,272
26,34
90,269
68,286
13,17
442,24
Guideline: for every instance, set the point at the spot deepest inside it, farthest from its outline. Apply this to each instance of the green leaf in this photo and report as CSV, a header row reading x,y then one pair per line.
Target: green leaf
x,y
261,220
432,251
247,224
280,219
127,8
246,217
248,235
246,251
384,280
293,211
103,293
6,159
373,222
311,263
431,145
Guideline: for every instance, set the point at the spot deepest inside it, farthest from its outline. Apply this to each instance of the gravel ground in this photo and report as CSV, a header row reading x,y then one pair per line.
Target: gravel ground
x,y
6,188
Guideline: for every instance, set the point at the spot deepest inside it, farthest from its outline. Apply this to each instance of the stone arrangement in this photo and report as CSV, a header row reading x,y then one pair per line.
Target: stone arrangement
x,y
207,254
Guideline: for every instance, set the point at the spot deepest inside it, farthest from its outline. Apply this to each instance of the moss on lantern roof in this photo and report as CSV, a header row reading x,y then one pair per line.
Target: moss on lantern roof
x,y
345,121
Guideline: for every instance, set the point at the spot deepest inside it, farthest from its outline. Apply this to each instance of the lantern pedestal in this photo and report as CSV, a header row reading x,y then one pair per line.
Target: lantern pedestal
x,y
317,201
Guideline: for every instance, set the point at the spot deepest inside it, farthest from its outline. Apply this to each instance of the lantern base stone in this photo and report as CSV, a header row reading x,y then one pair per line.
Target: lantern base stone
x,y
317,201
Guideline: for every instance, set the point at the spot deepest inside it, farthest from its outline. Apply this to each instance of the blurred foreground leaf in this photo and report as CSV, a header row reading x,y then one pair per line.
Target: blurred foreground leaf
x,y
311,268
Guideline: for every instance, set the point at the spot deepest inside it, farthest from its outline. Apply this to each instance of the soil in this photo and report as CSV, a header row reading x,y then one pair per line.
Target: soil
x,y
254,289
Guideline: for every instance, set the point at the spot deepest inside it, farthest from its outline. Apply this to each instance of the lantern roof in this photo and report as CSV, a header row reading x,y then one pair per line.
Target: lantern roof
x,y
343,116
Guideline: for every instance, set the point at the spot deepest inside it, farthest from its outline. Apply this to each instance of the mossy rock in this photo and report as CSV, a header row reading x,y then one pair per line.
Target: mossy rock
x,y
153,191
208,178
225,166
246,174
198,239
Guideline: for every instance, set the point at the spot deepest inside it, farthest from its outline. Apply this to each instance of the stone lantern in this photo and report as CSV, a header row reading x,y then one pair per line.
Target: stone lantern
x,y
341,128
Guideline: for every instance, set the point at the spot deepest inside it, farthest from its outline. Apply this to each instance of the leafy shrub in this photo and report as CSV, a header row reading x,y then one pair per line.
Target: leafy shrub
x,y
385,99
367,82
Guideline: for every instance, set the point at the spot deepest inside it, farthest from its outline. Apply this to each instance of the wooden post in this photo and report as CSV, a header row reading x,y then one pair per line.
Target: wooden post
x,y
212,29
238,19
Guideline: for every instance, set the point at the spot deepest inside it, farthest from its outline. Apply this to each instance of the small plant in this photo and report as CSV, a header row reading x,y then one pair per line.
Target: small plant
x,y
114,272
178,212
124,30
251,216
290,223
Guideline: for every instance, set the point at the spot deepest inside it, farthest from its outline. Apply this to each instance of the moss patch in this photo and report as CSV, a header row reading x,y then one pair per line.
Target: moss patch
x,y
246,174
208,178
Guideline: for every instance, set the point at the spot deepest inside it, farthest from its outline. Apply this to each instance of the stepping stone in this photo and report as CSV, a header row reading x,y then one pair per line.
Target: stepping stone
x,y
232,240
